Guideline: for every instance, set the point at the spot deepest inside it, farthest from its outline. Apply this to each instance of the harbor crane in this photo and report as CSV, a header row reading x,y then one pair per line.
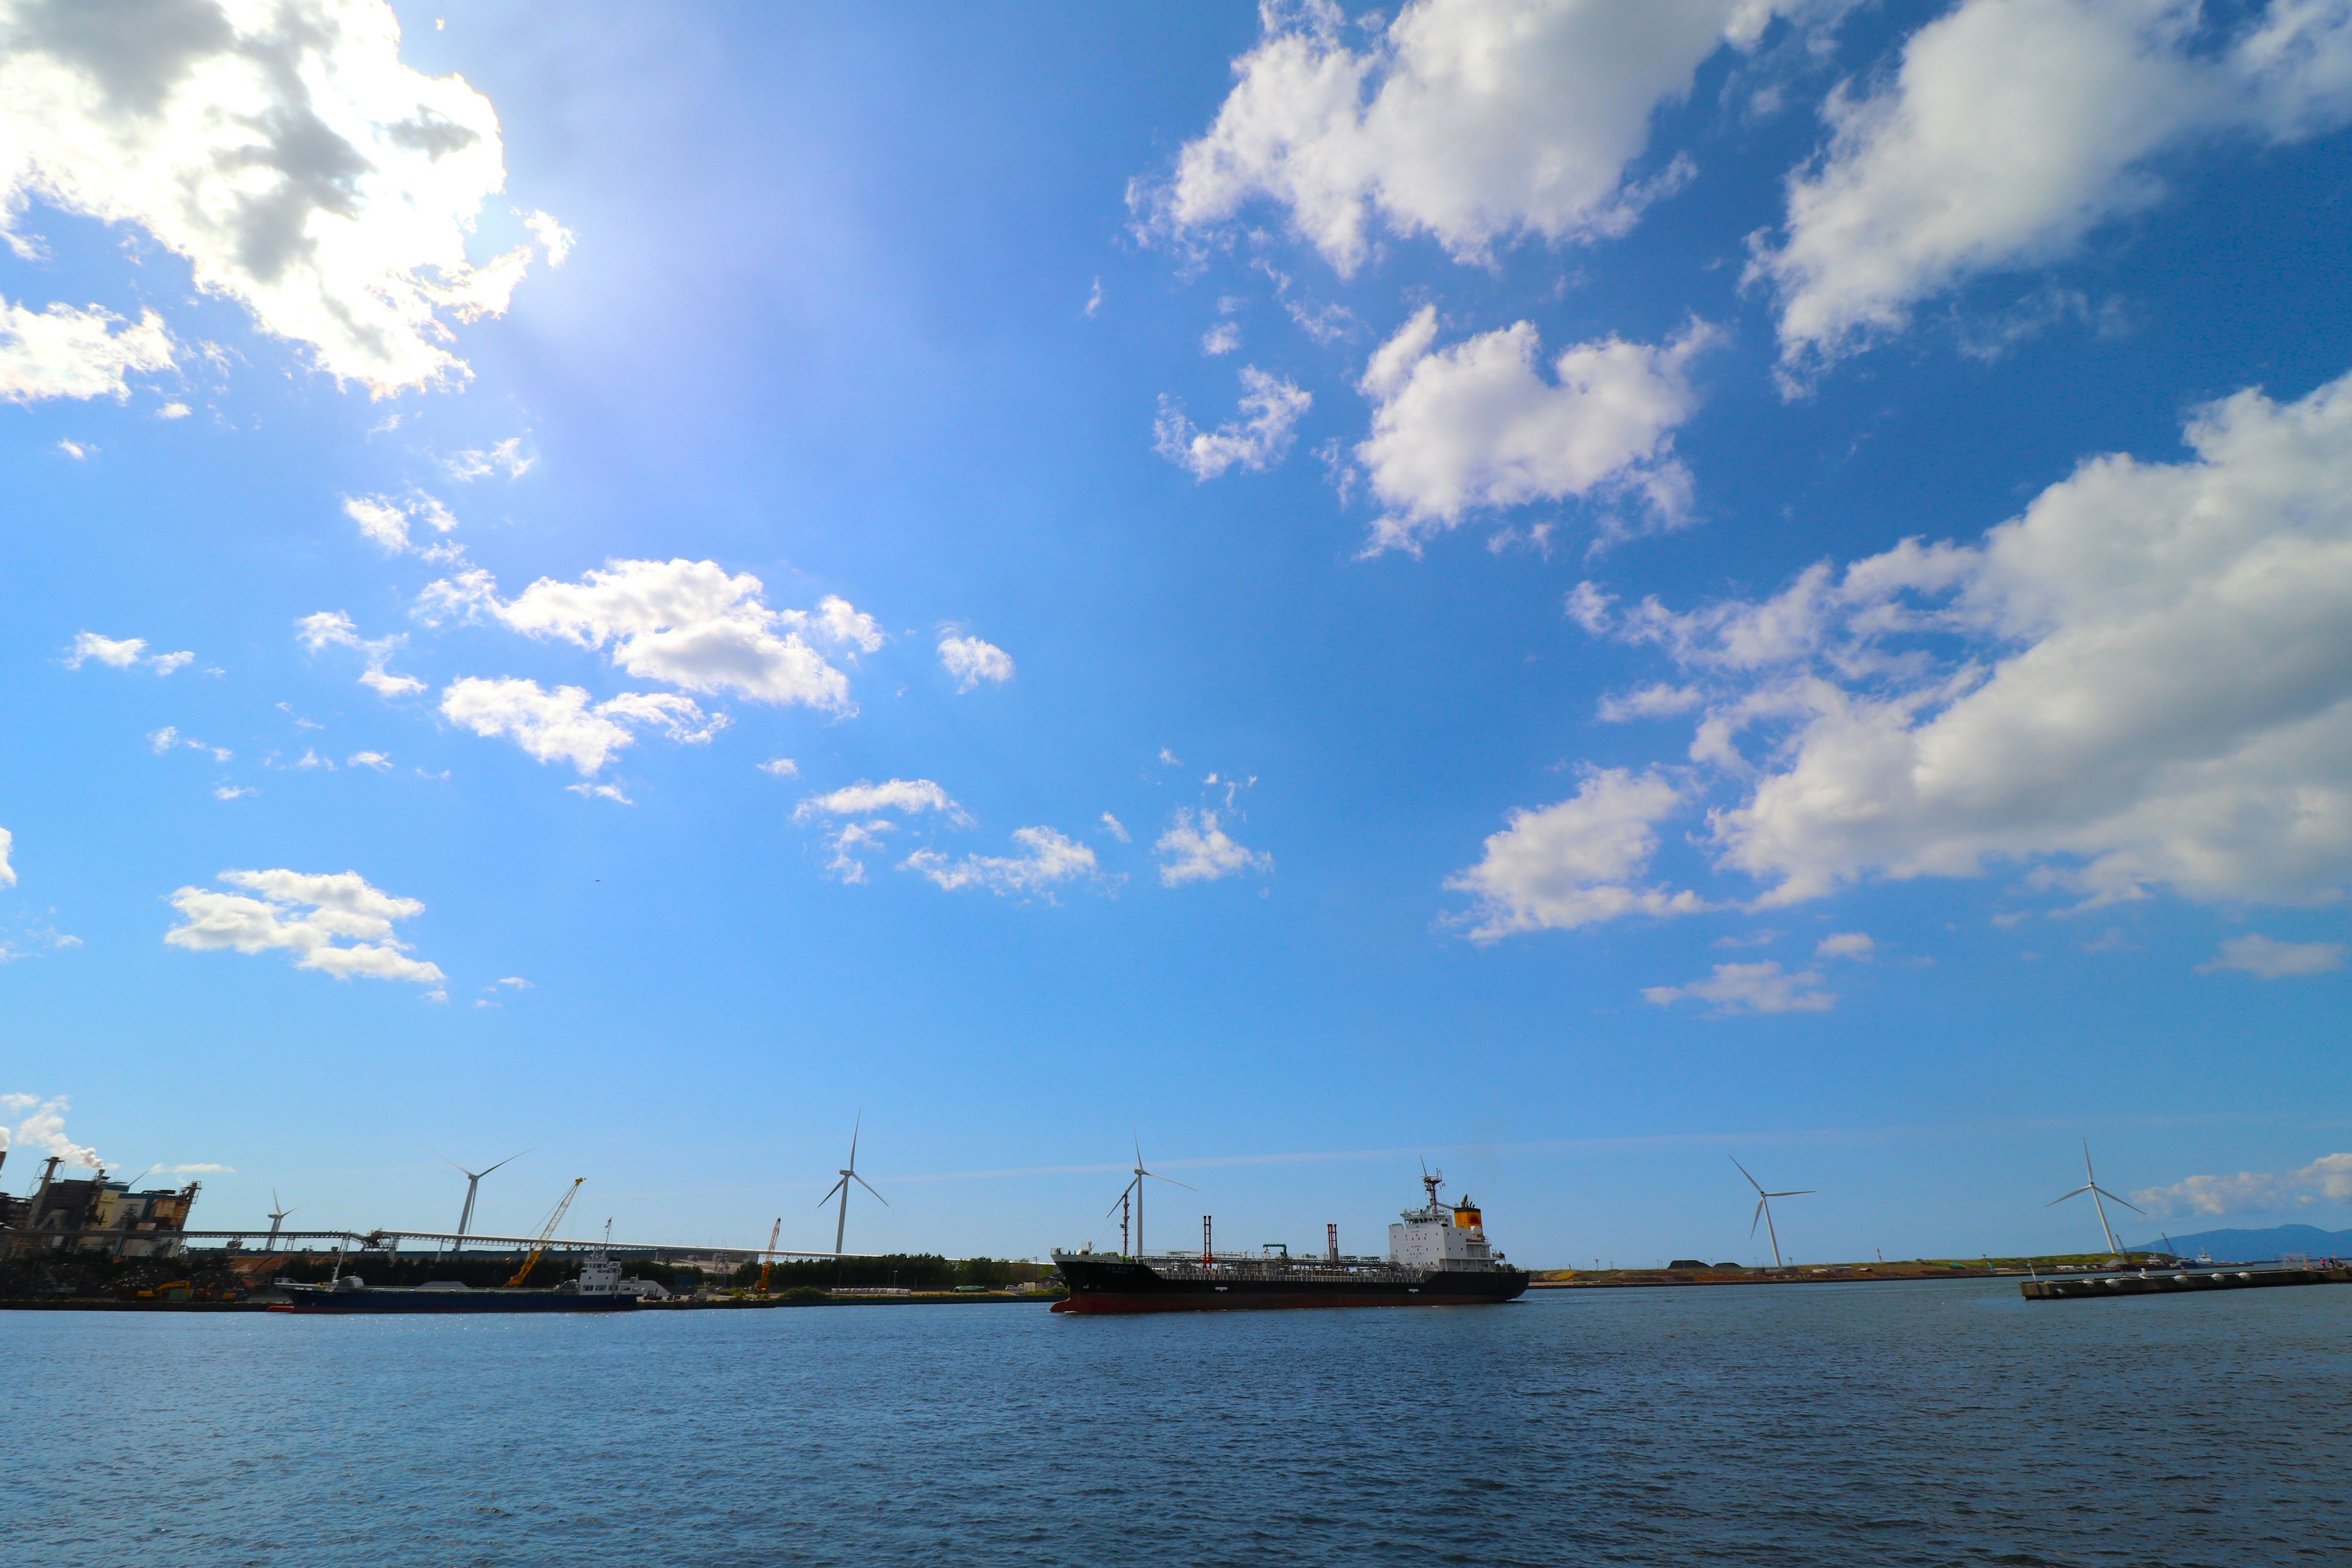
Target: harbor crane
x,y
545,1231
768,1258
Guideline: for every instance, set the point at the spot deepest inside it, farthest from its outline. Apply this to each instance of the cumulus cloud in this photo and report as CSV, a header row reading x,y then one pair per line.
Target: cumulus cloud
x,y
688,623
333,628
780,768
1046,859
2252,1192
1470,120
8,872
909,796
1845,944
2266,958
1479,425
552,236
1195,848
122,653
1577,862
378,760
565,725
43,1130
1736,988
336,923
1271,409
2144,681
386,520
971,661
283,149
65,353
2013,128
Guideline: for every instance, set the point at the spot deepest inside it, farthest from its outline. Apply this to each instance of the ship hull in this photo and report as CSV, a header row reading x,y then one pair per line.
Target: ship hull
x,y
1123,1286
439,1301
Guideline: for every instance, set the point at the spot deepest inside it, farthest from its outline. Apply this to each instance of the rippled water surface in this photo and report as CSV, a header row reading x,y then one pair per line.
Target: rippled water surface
x,y
1869,1424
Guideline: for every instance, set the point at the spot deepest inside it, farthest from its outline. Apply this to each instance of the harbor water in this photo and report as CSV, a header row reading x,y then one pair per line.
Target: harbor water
x,y
1944,1423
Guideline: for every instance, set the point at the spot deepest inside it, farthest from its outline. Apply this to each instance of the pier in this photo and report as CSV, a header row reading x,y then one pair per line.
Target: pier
x,y
2188,1281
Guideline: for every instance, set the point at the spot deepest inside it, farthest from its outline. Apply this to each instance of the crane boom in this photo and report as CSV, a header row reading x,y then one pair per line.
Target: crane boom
x,y
769,1261
545,1231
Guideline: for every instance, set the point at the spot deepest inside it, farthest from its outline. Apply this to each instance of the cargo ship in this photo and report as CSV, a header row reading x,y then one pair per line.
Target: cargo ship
x,y
598,1290
1438,1257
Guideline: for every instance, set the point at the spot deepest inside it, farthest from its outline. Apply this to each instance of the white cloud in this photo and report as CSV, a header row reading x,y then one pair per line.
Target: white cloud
x,y
173,411
8,872
1196,850
164,740
119,652
335,922
386,520
600,792
284,151
1576,861
2254,1191
166,663
2266,958
552,236
333,628
65,353
76,450
43,1132
2145,679
862,799
1479,425
688,623
1469,120
505,457
1271,409
2014,129
1736,988
232,792
971,661
380,761
1845,944
1046,859
563,725
1118,828
780,768
1221,339
1658,701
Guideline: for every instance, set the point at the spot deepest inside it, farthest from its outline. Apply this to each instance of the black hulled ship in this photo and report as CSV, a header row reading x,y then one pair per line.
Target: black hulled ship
x,y
1438,1257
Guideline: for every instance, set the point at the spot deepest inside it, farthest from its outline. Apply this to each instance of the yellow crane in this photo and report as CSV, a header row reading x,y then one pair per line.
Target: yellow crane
x,y
545,1231
769,1261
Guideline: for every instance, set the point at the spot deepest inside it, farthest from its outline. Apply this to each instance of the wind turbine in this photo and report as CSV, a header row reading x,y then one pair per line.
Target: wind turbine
x,y
1764,1210
2091,1185
474,1180
277,1218
848,1175
1136,1186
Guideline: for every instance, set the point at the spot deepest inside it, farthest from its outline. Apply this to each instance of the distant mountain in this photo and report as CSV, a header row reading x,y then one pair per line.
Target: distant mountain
x,y
2249,1246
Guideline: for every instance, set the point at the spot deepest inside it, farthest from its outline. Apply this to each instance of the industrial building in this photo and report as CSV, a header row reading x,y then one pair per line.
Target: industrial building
x,y
95,1215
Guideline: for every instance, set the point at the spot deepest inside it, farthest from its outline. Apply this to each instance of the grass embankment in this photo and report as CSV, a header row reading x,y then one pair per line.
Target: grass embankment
x,y
1838,1273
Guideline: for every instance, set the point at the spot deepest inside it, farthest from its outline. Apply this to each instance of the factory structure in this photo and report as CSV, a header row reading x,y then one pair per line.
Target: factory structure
x,y
95,1215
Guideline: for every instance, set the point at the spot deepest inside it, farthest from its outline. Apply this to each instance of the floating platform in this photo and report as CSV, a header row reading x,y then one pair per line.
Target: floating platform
x,y
2184,1281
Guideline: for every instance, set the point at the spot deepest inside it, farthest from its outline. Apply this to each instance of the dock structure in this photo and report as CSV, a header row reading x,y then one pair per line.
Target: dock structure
x,y
2187,1282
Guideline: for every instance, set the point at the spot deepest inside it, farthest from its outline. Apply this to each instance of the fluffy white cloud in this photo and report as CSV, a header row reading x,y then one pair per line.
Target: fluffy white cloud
x,y
43,1130
1576,861
563,725
386,520
2256,1192
122,653
1478,425
1657,700
780,768
335,922
1469,120
1196,850
65,353
552,236
1271,409
862,799
971,661
1736,988
2266,958
2144,679
2013,128
688,623
283,149
1845,944
333,628
1046,859
505,457
8,872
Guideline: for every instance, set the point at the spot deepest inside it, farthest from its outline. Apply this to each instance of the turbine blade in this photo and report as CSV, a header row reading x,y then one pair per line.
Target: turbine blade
x,y
1170,1181
1798,1192
1757,1220
854,1128
1743,1171
2062,1197
831,1190
2128,1204
869,1188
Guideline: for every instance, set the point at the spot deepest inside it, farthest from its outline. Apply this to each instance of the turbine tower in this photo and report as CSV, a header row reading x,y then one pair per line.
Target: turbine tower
x,y
474,1180
277,1218
1136,1187
1764,1210
2091,1185
848,1175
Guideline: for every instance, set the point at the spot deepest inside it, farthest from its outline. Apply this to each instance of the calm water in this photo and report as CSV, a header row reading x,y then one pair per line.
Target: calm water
x,y
1871,1423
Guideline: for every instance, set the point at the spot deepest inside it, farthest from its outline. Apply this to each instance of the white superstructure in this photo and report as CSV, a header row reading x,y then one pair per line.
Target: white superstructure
x,y
1438,1237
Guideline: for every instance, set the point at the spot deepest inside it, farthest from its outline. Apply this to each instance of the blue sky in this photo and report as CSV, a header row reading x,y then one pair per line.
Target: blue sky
x,y
1316,589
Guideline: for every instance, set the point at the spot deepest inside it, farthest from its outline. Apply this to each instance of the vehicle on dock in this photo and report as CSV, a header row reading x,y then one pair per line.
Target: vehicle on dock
x,y
1438,1257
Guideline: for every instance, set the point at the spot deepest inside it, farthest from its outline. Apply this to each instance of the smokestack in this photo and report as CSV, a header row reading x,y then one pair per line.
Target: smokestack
x,y
1207,1255
1331,1231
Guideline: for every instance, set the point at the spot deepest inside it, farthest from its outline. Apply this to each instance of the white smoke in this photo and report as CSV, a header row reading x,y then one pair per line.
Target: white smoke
x,y
44,1131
